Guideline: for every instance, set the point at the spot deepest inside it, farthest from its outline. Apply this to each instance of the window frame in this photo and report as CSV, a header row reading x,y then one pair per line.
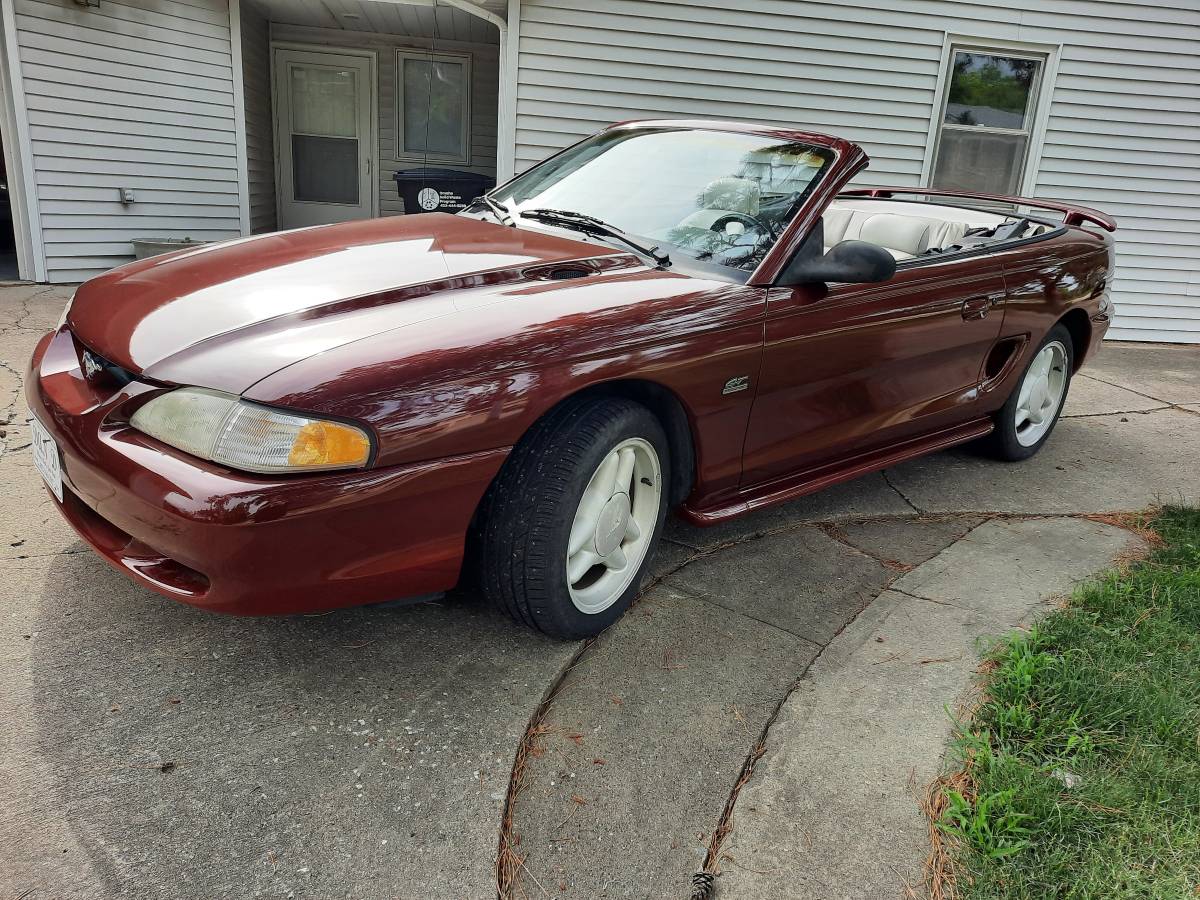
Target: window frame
x,y
1040,102
464,59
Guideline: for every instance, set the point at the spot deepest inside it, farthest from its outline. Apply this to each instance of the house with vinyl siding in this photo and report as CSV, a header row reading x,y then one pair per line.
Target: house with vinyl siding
x,y
136,120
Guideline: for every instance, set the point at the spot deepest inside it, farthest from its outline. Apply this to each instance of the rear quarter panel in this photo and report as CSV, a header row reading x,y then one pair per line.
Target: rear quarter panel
x,y
1045,281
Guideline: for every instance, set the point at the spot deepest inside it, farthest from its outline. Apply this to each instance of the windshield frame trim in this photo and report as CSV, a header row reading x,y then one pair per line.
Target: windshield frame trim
x,y
845,154
849,159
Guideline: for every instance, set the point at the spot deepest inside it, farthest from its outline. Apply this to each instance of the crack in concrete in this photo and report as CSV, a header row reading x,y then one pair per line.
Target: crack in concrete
x,y
888,481
17,324
1167,404
707,600
725,821
835,532
1122,412
897,590
10,404
509,862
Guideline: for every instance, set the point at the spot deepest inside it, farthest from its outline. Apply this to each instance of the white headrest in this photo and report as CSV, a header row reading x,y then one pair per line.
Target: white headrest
x,y
904,233
835,221
945,234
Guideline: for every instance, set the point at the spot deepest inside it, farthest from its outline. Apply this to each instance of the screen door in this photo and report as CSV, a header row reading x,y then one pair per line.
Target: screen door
x,y
323,106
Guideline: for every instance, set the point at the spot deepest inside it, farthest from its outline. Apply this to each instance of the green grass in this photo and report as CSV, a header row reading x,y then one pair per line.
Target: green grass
x,y
1104,694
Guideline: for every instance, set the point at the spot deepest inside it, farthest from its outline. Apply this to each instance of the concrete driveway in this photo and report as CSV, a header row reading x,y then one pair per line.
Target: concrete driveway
x,y
152,750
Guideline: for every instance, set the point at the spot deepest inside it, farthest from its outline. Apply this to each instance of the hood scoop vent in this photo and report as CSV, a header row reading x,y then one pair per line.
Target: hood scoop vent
x,y
559,272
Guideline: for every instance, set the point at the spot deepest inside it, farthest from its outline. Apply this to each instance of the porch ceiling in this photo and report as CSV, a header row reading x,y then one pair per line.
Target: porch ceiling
x,y
422,18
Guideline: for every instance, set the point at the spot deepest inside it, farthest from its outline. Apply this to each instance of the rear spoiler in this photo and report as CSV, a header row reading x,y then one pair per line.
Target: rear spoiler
x,y
1072,214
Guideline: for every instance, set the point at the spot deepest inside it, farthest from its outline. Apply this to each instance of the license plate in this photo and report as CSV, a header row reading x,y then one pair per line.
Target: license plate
x,y
45,457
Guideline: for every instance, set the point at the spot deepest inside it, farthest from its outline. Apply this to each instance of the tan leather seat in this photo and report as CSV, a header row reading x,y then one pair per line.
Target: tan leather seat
x,y
903,236
944,234
837,221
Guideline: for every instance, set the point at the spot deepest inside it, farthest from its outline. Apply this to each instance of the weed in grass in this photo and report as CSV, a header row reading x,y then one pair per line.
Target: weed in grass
x,y
987,823
1079,772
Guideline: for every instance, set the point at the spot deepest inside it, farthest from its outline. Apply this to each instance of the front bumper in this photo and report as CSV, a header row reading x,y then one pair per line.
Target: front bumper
x,y
240,543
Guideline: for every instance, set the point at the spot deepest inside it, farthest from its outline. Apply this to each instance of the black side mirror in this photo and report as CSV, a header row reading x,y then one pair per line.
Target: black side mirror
x,y
850,262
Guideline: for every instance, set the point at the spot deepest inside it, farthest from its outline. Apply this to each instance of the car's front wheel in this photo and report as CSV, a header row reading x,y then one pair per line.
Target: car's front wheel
x,y
1026,420
573,518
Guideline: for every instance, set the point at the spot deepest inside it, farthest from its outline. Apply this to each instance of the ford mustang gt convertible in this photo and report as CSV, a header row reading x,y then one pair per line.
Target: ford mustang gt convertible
x,y
669,315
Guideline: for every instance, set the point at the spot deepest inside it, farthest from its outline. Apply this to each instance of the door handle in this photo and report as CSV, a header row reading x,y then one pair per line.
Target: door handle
x,y
977,307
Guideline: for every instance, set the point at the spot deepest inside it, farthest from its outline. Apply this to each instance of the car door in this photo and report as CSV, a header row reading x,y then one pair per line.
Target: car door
x,y
851,368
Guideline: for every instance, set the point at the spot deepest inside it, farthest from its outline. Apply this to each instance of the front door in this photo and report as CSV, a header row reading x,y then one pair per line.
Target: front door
x,y
859,367
323,106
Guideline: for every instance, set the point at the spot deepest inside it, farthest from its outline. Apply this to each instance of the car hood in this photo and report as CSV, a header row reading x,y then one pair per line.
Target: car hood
x,y
227,315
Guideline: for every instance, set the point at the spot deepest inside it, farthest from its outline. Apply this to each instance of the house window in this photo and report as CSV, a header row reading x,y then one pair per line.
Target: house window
x,y
986,119
433,107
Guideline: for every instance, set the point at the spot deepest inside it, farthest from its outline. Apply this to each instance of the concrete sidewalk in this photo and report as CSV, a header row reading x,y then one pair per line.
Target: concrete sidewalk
x,y
151,750
832,809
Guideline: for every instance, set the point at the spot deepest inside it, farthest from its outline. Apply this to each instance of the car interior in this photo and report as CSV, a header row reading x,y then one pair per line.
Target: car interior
x,y
741,214
910,230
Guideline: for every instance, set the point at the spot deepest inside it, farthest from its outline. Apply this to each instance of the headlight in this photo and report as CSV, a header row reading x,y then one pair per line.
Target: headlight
x,y
242,435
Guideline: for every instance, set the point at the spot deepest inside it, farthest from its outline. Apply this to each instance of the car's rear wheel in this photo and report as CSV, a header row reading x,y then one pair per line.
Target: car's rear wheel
x,y
1027,419
572,520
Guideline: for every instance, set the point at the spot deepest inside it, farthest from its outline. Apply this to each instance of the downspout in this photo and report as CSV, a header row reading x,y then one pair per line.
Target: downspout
x,y
506,115
239,116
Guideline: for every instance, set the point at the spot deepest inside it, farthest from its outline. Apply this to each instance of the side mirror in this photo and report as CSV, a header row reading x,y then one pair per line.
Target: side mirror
x,y
853,262
850,262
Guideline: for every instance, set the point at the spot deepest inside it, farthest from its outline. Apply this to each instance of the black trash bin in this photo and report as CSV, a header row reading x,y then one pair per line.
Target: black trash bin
x,y
439,190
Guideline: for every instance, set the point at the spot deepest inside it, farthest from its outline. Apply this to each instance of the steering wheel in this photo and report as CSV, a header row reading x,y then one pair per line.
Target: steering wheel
x,y
745,219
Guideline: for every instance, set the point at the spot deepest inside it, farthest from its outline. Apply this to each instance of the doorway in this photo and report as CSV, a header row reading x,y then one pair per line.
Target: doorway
x,y
9,269
325,135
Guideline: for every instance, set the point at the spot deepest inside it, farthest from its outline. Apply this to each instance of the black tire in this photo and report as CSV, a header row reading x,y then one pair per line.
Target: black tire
x,y
530,507
1003,443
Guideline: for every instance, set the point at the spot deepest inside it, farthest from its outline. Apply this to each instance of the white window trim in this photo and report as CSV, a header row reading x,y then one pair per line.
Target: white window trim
x,y
425,55
1043,101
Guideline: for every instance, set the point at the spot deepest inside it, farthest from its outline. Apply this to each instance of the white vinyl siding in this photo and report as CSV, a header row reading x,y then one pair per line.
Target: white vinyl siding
x,y
260,139
484,81
1123,133
134,94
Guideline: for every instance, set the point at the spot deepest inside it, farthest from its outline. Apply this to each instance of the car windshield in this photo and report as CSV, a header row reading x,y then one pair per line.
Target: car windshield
x,y
721,196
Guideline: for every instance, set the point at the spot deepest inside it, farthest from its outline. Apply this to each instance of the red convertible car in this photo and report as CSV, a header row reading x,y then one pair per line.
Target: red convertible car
x,y
688,315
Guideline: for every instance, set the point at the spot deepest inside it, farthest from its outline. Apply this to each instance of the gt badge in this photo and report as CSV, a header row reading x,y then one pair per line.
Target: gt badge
x,y
733,385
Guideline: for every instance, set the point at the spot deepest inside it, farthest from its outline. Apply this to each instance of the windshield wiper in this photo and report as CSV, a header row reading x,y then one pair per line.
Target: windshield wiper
x,y
499,210
597,227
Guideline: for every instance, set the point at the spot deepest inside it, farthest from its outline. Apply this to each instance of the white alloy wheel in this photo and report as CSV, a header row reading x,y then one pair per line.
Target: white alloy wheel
x,y
614,525
1041,394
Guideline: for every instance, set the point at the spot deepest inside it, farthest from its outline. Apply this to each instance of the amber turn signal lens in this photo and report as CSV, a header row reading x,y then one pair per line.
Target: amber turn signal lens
x,y
328,444
249,437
